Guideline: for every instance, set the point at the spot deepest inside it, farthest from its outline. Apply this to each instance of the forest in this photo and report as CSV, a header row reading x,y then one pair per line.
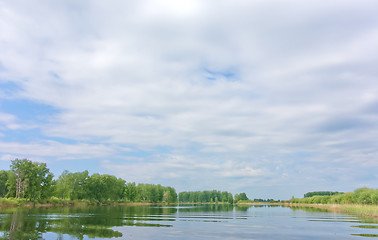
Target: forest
x,y
33,181
206,197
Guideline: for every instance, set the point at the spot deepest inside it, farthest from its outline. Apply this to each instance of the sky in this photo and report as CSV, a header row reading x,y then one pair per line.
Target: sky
x,y
274,98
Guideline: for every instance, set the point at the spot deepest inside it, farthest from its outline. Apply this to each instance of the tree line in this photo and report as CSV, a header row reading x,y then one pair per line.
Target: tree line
x,y
321,193
359,196
33,181
213,196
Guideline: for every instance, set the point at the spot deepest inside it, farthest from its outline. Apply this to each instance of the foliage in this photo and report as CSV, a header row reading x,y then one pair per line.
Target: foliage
x,y
32,182
240,197
360,196
3,183
150,193
29,180
269,200
321,193
213,196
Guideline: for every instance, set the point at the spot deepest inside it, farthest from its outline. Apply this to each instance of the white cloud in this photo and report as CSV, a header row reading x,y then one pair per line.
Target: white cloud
x,y
246,82
59,151
244,172
10,122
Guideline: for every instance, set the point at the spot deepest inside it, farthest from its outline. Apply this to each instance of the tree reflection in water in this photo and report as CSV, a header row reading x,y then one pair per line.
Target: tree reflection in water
x,y
32,223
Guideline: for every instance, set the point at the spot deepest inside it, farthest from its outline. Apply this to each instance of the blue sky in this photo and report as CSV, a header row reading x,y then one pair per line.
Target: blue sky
x,y
272,98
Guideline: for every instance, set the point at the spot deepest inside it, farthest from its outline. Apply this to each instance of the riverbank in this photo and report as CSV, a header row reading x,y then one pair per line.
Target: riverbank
x,y
358,209
10,203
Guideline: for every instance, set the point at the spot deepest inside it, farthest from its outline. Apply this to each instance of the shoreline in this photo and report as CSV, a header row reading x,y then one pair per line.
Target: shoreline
x,y
78,204
357,209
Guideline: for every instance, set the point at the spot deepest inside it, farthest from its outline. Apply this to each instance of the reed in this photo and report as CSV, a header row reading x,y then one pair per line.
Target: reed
x,y
358,209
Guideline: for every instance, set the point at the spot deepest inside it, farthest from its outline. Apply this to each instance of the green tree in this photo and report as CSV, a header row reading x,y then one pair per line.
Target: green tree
x,y
130,192
30,180
240,197
63,188
3,183
172,195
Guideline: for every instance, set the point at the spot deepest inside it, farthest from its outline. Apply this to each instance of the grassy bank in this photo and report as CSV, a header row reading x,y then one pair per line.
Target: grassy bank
x,y
12,202
56,202
358,209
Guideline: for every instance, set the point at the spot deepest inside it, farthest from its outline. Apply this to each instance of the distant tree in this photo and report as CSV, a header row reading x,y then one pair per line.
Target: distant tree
x,y
213,196
172,195
240,197
321,193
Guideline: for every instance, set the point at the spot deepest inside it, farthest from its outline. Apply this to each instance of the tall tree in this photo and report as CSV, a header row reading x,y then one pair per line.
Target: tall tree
x,y
30,180
3,183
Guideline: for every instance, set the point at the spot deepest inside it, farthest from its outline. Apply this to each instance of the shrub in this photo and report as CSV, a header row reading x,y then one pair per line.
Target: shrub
x,y
348,198
336,198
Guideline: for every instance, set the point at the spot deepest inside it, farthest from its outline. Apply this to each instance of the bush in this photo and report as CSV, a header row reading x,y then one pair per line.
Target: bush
x,y
359,196
366,196
374,197
336,198
348,198
55,200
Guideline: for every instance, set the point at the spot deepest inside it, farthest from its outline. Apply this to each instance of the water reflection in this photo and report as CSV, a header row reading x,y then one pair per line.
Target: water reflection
x,y
366,222
32,223
365,235
367,226
258,222
206,208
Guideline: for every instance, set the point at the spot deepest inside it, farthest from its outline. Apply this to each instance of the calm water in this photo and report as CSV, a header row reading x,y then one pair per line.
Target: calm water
x,y
185,222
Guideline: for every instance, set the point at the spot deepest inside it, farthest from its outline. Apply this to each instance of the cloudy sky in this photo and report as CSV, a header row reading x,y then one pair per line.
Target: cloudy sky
x,y
274,98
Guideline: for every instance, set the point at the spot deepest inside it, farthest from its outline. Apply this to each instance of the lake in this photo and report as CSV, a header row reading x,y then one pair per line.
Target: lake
x,y
182,222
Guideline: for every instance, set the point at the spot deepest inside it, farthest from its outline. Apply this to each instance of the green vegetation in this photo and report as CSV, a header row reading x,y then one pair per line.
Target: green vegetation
x,y
3,183
240,197
213,196
269,200
321,193
359,196
28,182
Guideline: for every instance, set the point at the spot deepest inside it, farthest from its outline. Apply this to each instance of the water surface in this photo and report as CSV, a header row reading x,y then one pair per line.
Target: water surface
x,y
182,222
